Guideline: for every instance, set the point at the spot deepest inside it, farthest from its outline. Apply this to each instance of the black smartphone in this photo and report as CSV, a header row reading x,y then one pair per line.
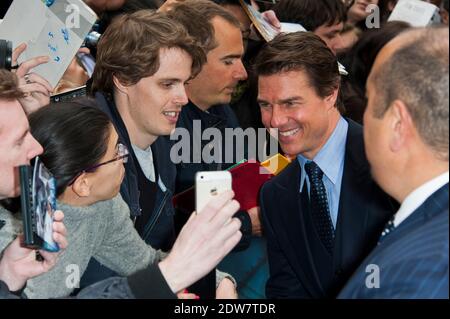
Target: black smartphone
x,y
69,95
38,205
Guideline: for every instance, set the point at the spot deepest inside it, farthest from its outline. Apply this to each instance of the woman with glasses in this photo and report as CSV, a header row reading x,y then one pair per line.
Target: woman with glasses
x,y
82,151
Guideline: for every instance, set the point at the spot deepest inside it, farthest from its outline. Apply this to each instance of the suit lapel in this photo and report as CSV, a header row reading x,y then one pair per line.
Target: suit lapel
x,y
353,210
288,201
434,205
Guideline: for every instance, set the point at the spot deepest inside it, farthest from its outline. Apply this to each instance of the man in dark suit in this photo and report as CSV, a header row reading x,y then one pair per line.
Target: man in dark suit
x,y
323,214
406,134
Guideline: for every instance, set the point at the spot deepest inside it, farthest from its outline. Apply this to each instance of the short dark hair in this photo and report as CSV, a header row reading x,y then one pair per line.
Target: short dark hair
x,y
418,74
359,62
197,15
141,36
311,14
301,51
74,136
9,89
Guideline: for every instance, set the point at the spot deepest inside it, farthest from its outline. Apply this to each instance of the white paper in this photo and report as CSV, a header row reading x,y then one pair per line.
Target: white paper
x,y
265,29
287,27
415,12
47,31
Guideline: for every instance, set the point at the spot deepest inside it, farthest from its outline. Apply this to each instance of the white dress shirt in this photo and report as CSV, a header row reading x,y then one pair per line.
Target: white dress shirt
x,y
419,196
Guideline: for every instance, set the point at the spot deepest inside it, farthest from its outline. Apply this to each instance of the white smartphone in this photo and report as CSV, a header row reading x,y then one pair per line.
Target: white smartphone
x,y
208,185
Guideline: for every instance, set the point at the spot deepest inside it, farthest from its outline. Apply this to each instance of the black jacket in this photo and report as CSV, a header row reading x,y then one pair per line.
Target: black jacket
x,y
159,232
298,268
145,284
220,117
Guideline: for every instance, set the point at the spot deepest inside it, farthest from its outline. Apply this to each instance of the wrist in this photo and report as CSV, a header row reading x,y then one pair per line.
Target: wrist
x,y
172,275
7,275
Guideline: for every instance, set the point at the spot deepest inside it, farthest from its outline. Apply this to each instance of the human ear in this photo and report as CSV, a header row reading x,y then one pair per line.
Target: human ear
x,y
120,86
82,186
400,124
332,99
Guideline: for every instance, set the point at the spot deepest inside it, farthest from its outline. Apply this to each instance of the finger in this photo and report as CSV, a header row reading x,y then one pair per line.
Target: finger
x,y
225,214
214,206
60,228
36,78
49,259
186,296
231,243
17,52
34,88
26,66
84,50
271,17
227,231
58,216
60,240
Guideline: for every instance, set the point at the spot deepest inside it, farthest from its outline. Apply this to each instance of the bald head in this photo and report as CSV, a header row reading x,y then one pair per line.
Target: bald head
x,y
432,41
414,68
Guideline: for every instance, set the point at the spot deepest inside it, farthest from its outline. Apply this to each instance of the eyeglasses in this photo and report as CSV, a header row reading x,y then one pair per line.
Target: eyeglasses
x,y
122,154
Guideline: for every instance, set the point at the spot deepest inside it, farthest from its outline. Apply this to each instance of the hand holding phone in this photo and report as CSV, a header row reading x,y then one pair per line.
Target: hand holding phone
x,y
208,185
38,204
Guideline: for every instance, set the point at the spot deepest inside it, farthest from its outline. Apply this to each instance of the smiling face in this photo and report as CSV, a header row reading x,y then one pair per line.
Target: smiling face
x,y
17,146
154,103
224,69
290,104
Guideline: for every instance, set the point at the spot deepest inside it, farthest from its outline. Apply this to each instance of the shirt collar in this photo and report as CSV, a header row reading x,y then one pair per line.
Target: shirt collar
x,y
145,160
330,158
419,196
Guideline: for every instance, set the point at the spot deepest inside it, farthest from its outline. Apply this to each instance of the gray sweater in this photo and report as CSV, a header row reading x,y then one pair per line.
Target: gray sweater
x,y
104,231
10,230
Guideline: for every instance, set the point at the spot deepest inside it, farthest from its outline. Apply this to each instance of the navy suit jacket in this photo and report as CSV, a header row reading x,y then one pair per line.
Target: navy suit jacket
x,y
412,260
364,209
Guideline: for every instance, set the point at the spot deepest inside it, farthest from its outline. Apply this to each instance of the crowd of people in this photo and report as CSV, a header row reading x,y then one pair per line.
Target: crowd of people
x,y
366,187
